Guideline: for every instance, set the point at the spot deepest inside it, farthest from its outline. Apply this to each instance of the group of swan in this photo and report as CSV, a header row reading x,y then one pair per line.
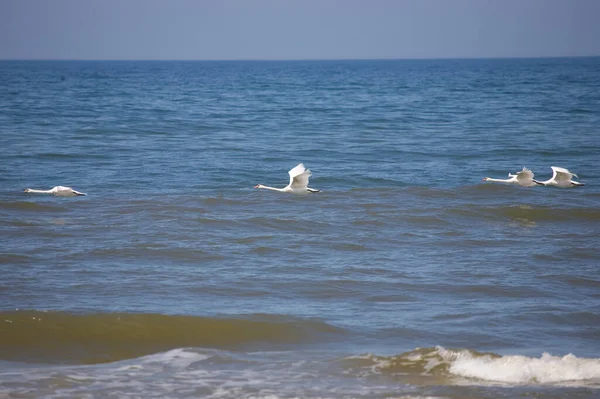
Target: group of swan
x,y
298,185
299,176
561,177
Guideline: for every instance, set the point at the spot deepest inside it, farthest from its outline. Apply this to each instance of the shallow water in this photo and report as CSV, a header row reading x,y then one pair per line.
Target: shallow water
x,y
407,276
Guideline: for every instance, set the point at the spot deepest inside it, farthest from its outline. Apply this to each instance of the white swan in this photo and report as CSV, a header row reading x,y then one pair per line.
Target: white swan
x,y
59,191
561,177
523,178
298,182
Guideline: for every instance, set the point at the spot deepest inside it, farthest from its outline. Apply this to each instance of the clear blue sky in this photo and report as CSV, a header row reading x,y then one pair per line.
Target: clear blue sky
x,y
297,29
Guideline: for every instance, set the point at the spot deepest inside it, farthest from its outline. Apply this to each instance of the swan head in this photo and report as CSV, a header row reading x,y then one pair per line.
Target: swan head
x,y
258,186
485,179
27,190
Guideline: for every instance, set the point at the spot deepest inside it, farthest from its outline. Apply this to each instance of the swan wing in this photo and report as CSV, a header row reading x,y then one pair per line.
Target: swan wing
x,y
525,176
297,170
62,190
301,181
561,174
299,177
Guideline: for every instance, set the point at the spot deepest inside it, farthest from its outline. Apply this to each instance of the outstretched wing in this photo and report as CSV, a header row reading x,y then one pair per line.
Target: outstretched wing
x,y
65,191
525,176
561,174
299,177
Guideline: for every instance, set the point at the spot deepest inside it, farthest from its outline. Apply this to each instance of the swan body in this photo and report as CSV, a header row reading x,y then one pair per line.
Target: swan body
x,y
299,176
59,191
561,177
523,178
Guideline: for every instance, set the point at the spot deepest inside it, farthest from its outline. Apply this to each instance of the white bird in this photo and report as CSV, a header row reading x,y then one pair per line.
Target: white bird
x,y
561,177
298,182
523,178
59,191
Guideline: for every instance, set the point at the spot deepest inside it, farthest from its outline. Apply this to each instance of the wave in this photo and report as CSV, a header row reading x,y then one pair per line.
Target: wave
x,y
59,337
528,212
59,155
29,206
148,251
481,368
548,213
6,258
188,372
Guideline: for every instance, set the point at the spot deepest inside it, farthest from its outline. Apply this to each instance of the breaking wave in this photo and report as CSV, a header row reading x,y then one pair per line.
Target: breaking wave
x,y
57,337
481,368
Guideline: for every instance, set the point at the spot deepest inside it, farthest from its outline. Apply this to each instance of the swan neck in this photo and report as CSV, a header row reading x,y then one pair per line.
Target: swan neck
x,y
270,188
31,190
498,180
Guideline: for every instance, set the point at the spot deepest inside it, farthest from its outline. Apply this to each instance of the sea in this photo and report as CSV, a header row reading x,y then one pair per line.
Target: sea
x,y
406,276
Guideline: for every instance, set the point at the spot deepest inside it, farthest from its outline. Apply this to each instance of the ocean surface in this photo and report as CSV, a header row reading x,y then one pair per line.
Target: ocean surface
x,y
407,276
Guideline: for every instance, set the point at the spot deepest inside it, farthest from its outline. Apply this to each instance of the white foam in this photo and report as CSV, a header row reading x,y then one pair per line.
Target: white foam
x,y
516,369
177,358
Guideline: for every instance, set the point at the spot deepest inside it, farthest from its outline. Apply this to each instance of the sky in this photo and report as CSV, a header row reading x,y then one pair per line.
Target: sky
x,y
297,29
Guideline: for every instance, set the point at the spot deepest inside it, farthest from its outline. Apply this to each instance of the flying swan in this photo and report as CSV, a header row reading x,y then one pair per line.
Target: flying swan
x,y
298,182
523,178
561,177
59,191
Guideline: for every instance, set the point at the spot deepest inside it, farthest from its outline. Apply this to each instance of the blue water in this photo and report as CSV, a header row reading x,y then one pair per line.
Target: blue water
x,y
406,276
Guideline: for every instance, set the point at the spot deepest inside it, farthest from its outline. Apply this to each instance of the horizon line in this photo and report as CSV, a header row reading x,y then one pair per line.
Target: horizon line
x,y
294,59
